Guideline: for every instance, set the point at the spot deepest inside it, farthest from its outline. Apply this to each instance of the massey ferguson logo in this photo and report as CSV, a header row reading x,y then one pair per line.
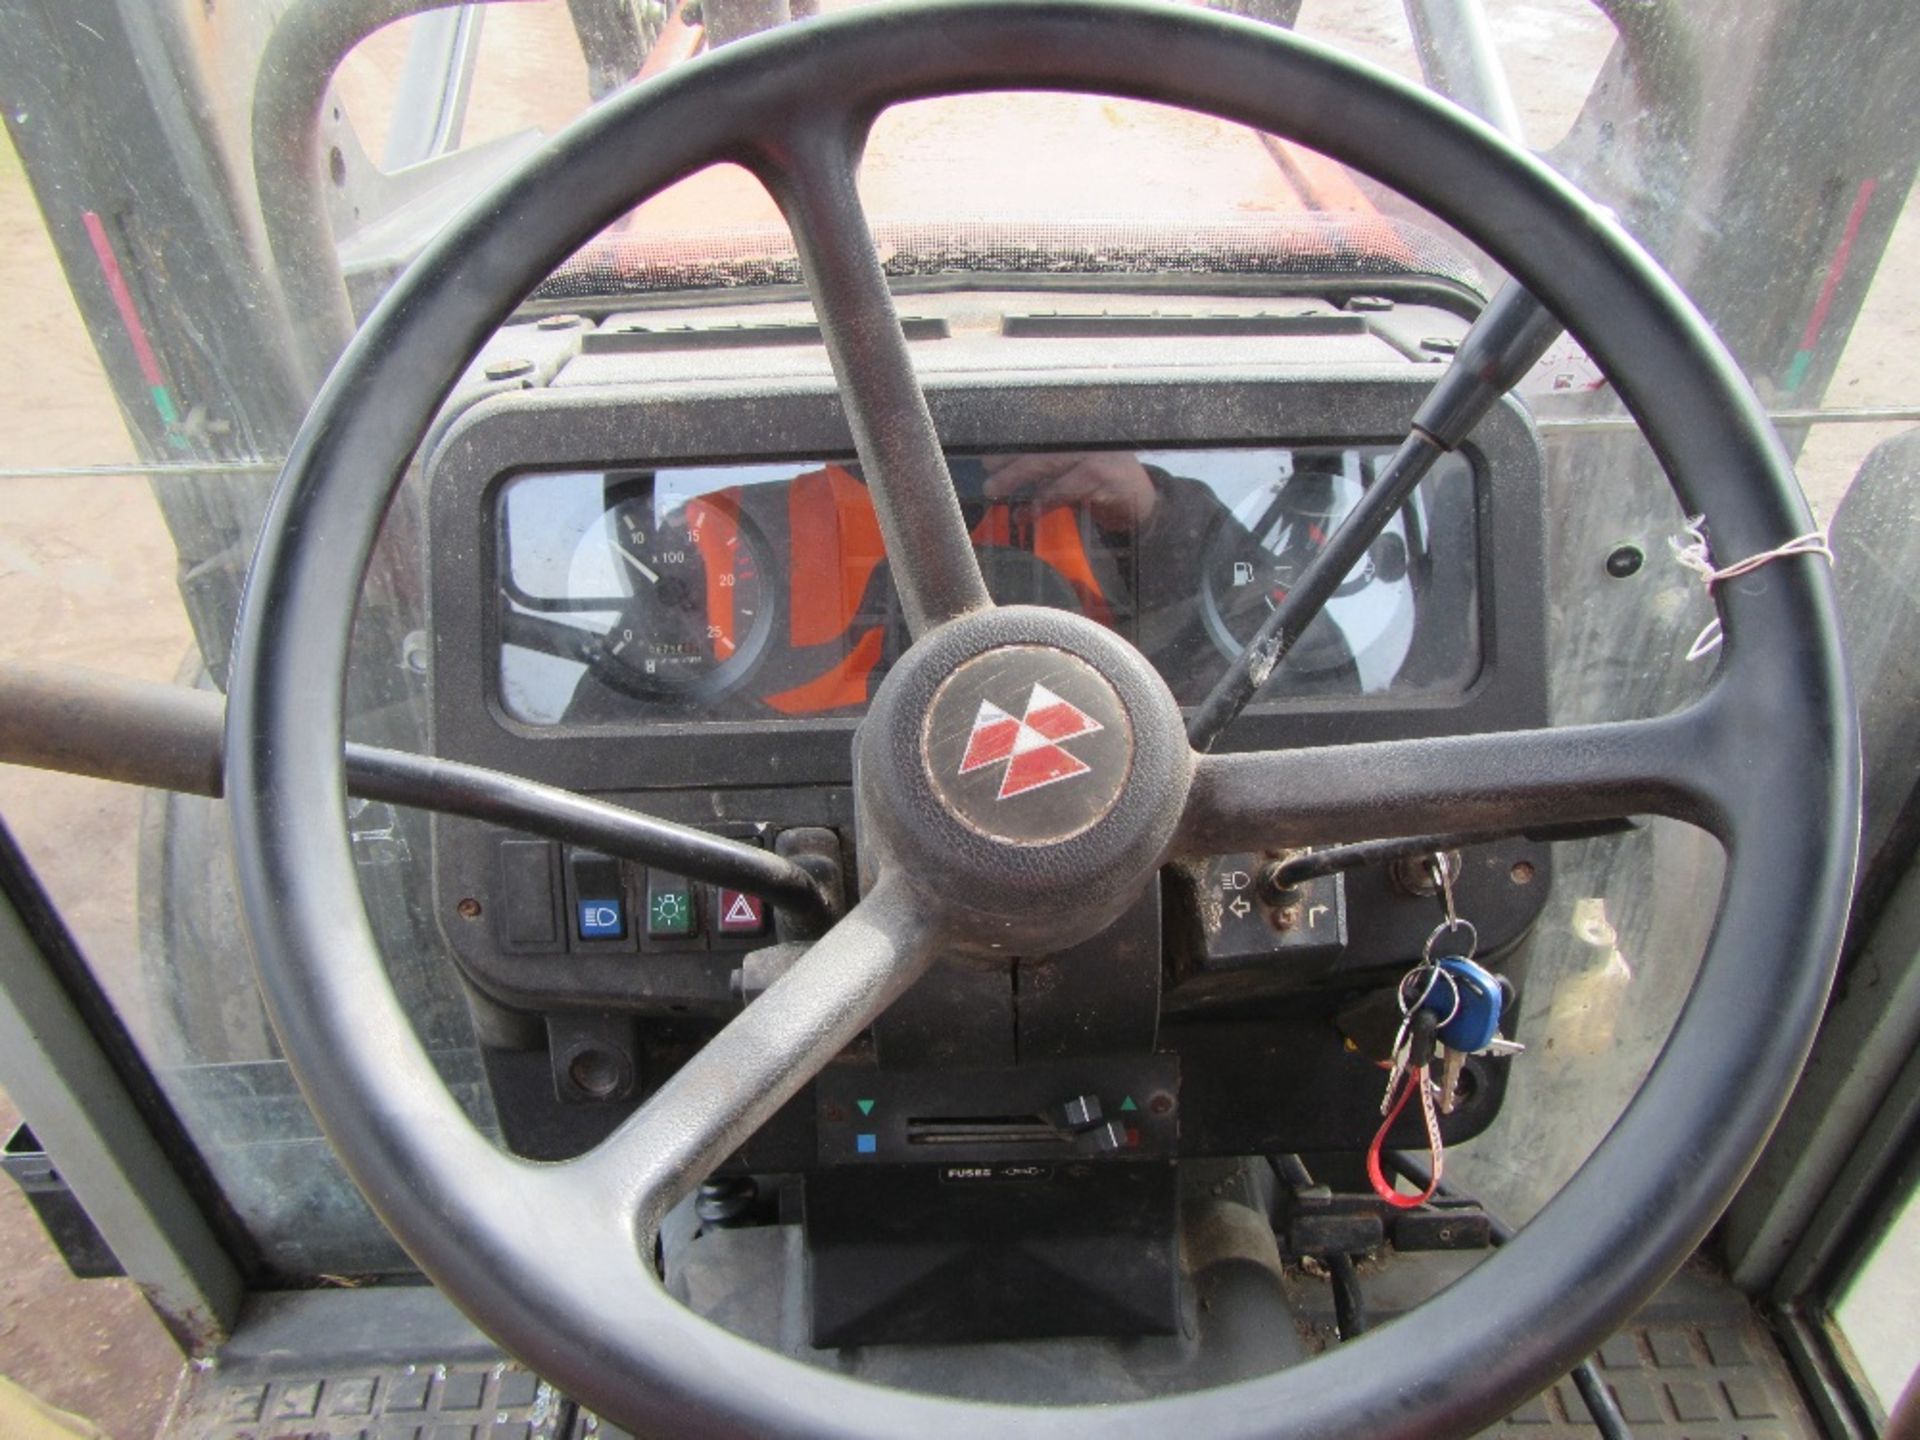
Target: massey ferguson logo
x,y
1029,747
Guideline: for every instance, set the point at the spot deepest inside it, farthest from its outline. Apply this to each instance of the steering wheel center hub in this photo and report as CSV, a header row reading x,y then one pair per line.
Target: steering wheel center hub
x,y
1024,769
1027,744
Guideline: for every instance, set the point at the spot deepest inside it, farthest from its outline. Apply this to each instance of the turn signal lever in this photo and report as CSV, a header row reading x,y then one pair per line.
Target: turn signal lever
x,y
173,738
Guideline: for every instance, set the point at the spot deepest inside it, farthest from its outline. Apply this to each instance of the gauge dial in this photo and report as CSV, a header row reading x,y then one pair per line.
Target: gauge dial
x,y
1258,554
696,609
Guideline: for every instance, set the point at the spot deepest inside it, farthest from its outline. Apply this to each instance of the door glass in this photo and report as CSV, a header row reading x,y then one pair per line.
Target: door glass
x,y
1879,1310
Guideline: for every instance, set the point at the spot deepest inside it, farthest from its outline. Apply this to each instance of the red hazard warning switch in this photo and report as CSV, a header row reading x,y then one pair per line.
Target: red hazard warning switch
x,y
740,913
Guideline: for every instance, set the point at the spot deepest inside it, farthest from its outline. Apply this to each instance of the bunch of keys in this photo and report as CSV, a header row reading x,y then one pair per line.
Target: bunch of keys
x,y
1449,1006
1465,999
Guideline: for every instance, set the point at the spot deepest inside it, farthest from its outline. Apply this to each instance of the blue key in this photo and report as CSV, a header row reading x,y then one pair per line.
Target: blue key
x,y
1476,1020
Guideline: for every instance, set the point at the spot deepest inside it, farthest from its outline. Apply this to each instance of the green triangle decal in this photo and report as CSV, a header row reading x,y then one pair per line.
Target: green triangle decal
x,y
866,1106
1127,1104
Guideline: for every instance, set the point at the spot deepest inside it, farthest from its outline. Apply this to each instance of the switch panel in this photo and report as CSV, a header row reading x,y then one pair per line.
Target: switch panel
x,y
1237,925
1035,1116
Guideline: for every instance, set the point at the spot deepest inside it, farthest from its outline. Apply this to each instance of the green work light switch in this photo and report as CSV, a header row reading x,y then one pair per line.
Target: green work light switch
x,y
669,905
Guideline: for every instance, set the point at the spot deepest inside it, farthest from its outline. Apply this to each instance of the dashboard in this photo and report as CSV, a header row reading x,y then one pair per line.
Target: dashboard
x,y
656,576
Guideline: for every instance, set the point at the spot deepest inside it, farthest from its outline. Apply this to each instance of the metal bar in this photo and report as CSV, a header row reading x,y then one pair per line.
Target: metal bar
x,y
1458,59
933,564
1841,1411
609,32
1349,1305
135,470
171,737
430,109
65,1083
1788,1219
1782,419
1600,1402
306,47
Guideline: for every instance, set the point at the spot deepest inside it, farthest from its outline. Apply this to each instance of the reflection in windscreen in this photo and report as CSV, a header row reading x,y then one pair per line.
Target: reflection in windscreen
x,y
763,591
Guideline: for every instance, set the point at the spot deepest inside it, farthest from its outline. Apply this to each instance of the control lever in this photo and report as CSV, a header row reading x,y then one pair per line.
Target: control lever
x,y
169,736
1499,348
1296,869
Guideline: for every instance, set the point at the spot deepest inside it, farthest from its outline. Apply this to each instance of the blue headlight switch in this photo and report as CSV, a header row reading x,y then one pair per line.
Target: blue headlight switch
x,y
599,896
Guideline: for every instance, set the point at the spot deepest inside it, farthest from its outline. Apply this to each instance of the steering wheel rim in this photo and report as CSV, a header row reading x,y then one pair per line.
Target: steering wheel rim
x,y
530,1250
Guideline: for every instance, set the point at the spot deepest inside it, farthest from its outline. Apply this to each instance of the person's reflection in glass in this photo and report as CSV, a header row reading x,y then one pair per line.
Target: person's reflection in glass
x,y
1165,520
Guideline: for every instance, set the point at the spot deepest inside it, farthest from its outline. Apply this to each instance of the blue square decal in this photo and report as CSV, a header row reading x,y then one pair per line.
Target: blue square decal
x,y
602,919
866,1144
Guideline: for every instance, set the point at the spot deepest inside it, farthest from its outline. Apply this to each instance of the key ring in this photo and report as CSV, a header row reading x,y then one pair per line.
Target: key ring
x,y
1435,974
1447,927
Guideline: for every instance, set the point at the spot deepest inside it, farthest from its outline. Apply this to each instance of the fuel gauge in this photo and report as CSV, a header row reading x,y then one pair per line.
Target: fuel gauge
x,y
1258,552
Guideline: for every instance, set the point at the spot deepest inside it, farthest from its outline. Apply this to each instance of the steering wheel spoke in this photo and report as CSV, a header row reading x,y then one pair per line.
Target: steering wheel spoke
x,y
1504,780
762,1058
933,564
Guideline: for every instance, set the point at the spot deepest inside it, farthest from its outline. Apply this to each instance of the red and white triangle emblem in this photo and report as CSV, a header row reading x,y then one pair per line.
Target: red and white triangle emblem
x,y
1030,746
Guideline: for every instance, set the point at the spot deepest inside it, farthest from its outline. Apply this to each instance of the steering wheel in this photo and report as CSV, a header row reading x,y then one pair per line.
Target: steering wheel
x,y
554,1259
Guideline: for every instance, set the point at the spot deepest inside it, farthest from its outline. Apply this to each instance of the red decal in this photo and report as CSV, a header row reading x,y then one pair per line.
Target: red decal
x,y
994,732
1034,768
1030,746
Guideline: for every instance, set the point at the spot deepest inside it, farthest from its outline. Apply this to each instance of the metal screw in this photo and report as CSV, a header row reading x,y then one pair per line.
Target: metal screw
x,y
1161,1105
1521,873
1625,560
509,369
598,1073
469,908
1440,344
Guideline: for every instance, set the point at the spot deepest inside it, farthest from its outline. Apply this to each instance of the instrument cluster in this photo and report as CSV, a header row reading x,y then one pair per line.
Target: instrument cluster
x,y
763,591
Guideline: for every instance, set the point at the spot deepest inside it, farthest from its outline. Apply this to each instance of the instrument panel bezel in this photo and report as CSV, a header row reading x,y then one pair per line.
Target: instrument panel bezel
x,y
622,427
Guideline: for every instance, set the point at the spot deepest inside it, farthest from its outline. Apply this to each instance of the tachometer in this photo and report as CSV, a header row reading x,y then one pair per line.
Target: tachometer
x,y
695,607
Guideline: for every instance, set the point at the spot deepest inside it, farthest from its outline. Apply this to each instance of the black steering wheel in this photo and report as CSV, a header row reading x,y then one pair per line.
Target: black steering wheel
x,y
554,1259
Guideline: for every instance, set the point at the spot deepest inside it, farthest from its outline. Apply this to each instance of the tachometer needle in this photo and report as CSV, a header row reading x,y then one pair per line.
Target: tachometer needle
x,y
637,564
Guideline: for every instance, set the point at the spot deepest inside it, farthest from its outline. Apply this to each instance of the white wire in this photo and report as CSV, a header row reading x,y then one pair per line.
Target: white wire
x,y
1697,555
